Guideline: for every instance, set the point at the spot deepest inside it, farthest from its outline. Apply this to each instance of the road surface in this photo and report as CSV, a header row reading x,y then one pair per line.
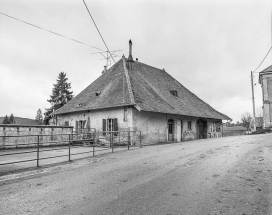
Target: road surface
x,y
230,175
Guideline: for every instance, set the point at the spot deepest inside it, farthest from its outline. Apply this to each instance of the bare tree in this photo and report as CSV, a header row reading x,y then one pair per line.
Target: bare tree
x,y
246,120
259,117
259,112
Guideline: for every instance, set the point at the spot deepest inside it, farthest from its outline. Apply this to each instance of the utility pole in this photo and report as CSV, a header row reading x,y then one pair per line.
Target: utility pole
x,y
253,101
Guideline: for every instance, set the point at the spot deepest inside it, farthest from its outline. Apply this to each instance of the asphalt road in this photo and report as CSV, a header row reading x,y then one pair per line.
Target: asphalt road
x,y
230,175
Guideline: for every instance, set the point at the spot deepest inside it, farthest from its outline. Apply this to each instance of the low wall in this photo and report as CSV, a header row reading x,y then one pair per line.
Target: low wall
x,y
27,134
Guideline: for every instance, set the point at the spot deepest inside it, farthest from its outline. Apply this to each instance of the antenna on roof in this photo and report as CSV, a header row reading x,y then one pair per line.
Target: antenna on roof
x,y
107,56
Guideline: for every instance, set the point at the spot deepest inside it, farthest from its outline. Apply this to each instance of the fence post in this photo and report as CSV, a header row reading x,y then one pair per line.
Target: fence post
x,y
111,137
93,149
69,147
140,139
128,139
38,151
119,132
222,129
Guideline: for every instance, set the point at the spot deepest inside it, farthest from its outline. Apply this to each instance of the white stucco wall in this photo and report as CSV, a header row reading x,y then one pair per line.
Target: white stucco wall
x,y
267,99
152,125
96,117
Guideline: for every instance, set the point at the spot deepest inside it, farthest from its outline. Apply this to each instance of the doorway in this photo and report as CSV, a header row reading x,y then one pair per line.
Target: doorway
x,y
179,131
170,130
202,129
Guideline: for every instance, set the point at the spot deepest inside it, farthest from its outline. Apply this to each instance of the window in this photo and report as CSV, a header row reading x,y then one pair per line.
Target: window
x,y
218,127
110,124
80,125
66,123
189,125
125,114
174,93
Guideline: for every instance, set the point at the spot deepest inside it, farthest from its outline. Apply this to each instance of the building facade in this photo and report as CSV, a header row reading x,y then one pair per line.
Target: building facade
x,y
134,96
265,79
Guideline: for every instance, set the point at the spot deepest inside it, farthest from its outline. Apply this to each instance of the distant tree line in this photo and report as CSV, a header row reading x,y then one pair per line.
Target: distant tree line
x,y
9,120
61,94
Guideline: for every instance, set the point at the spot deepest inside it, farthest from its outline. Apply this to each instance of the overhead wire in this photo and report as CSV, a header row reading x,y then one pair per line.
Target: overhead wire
x,y
233,103
212,88
263,60
50,31
98,31
215,92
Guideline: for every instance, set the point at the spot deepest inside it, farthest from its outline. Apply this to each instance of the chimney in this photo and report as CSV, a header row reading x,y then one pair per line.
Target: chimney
x,y
130,59
105,70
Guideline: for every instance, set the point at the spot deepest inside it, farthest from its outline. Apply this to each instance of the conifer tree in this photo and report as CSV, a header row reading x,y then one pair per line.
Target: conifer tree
x,y
5,120
11,119
61,94
39,117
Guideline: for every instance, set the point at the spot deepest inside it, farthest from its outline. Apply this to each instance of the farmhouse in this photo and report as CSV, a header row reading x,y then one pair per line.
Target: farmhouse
x,y
265,79
135,96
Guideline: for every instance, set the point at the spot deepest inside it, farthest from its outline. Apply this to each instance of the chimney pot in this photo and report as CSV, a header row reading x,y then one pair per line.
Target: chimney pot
x,y
130,58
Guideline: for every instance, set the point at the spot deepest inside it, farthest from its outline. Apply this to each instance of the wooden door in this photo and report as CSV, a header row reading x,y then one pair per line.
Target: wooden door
x,y
170,130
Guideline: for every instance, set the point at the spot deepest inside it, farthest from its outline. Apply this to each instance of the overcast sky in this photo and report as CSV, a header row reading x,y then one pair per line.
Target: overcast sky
x,y
208,46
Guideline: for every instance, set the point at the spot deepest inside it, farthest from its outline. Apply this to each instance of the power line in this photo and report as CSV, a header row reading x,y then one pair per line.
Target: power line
x,y
213,88
233,103
50,31
99,31
263,59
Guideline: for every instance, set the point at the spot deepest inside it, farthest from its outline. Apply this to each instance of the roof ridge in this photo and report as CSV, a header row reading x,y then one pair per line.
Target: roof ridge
x,y
128,81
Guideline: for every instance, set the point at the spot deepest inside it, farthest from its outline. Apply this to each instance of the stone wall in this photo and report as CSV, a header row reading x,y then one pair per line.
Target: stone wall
x,y
13,135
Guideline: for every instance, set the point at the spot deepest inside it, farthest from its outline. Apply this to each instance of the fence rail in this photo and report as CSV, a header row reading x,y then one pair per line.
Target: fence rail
x,y
97,141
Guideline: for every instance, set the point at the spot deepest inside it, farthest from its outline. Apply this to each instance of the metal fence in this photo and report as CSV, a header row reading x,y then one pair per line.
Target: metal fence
x,y
96,141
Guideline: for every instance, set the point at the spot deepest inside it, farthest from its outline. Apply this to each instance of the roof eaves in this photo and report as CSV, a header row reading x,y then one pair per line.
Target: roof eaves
x,y
80,110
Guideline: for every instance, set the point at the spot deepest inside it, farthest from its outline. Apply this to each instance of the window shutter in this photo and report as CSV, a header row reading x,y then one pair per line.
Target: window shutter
x,y
104,126
88,123
115,124
76,126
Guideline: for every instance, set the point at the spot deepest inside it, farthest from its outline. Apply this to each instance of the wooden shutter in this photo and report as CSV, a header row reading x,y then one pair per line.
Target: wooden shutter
x,y
104,126
76,126
115,124
88,123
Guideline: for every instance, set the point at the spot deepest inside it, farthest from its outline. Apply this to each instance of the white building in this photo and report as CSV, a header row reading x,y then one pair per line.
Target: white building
x,y
134,96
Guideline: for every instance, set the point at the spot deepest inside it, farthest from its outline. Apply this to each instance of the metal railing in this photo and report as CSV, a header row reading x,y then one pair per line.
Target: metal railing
x,y
95,140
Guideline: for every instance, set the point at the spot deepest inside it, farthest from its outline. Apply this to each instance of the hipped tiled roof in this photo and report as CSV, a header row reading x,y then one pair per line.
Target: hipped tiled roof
x,y
150,89
268,70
